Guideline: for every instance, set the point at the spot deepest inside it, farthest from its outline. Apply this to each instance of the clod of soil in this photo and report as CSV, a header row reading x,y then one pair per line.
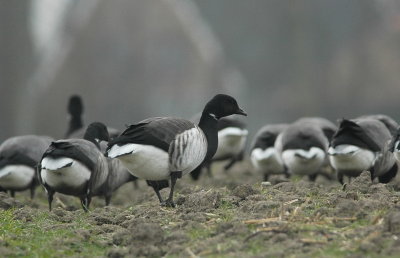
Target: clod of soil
x,y
243,191
7,202
392,222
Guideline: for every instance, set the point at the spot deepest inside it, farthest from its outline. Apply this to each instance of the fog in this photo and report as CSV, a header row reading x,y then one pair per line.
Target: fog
x,y
130,60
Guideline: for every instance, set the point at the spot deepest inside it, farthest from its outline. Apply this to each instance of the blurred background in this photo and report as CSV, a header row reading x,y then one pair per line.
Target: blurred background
x,y
133,59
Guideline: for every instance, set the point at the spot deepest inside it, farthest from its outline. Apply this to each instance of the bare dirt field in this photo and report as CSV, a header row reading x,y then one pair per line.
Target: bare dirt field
x,y
231,214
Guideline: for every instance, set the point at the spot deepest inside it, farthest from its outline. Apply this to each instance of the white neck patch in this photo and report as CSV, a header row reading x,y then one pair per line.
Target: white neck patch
x,y
213,116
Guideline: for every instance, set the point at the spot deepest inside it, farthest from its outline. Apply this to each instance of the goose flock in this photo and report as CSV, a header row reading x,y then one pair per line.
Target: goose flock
x,y
96,160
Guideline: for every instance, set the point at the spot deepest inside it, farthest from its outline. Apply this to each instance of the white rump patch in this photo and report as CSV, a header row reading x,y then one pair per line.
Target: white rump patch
x,y
55,163
303,162
16,176
267,161
74,176
117,151
352,158
145,161
231,141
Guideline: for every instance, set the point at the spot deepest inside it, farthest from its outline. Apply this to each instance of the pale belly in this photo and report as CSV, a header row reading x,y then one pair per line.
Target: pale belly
x,y
145,161
357,160
231,142
308,165
73,176
267,161
16,176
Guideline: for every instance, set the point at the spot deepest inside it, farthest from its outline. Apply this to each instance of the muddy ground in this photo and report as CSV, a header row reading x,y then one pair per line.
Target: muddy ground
x,y
230,215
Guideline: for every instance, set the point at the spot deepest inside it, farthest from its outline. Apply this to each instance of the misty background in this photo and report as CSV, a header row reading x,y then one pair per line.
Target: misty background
x,y
133,59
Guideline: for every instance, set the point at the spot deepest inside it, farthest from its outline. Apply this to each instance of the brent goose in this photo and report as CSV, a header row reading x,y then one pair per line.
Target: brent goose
x,y
327,126
18,159
232,136
303,146
263,154
75,126
77,167
389,122
75,110
162,148
362,144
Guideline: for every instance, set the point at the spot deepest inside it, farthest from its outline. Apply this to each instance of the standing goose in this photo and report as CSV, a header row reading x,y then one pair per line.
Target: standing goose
x,y
162,148
75,126
75,110
263,154
232,135
303,146
18,159
362,144
76,166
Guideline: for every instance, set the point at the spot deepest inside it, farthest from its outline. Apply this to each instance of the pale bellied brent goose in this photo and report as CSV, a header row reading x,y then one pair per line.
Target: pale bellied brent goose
x,y
162,148
362,144
77,167
18,159
303,146
263,155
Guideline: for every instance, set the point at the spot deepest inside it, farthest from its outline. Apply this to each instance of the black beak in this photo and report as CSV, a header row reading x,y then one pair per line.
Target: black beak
x,y
241,112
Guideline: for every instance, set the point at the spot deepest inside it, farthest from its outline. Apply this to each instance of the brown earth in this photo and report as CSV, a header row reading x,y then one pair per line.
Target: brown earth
x,y
229,215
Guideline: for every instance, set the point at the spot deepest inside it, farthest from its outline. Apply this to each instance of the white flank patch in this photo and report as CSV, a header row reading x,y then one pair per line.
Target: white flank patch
x,y
73,176
343,149
231,141
349,157
16,176
267,161
55,163
397,155
117,151
303,162
145,161
190,151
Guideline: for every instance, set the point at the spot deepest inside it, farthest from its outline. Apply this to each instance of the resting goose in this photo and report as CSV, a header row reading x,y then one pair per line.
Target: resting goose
x,y
76,167
18,159
263,154
163,148
303,146
232,136
362,144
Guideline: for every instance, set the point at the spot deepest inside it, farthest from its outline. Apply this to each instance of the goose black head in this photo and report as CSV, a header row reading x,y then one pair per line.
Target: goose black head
x,y
75,105
96,132
223,105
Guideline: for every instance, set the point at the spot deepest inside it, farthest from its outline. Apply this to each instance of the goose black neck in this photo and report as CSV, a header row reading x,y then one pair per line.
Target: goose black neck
x,y
209,125
74,124
91,136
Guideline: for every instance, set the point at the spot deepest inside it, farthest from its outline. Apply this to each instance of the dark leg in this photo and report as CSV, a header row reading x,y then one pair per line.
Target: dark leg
x,y
85,202
208,167
50,195
266,177
157,186
340,178
108,199
286,172
12,193
230,164
312,177
195,174
32,190
135,184
388,176
170,201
